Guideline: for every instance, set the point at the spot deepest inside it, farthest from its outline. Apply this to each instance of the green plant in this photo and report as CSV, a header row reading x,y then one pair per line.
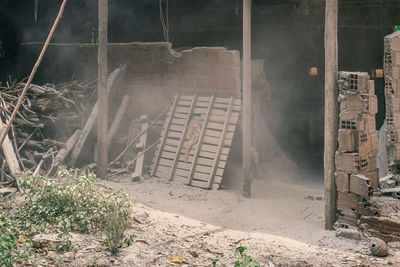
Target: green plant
x,y
115,228
65,205
8,244
80,205
245,260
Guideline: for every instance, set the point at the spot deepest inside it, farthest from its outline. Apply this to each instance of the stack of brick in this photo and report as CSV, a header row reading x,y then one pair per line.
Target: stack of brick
x,y
356,169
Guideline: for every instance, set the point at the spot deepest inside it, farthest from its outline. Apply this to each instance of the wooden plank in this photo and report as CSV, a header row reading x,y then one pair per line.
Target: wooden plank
x,y
9,153
213,149
187,97
220,145
167,155
118,118
181,141
174,134
162,171
180,115
179,121
331,116
177,128
221,118
172,142
142,143
170,148
215,140
200,141
113,79
164,136
226,100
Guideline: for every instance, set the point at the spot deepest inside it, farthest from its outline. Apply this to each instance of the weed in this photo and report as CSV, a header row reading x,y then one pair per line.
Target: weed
x,y
244,260
115,228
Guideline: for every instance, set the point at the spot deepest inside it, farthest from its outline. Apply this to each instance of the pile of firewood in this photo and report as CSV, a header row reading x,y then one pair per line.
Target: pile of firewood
x,y
47,118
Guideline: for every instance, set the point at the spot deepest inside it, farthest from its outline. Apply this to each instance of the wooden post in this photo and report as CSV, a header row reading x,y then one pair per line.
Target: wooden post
x,y
102,119
246,127
331,116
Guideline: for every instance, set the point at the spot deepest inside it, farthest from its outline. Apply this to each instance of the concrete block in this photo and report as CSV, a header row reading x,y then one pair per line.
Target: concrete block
x,y
347,162
347,201
342,182
346,140
360,185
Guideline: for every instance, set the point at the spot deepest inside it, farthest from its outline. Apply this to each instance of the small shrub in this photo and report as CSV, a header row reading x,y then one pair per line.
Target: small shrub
x,y
244,261
115,228
67,205
80,205
8,244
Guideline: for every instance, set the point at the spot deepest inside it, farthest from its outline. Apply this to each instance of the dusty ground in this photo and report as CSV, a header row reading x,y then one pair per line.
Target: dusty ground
x,y
281,225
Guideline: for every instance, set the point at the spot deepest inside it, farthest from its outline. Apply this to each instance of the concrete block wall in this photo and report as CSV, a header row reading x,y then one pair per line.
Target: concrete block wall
x,y
161,72
356,174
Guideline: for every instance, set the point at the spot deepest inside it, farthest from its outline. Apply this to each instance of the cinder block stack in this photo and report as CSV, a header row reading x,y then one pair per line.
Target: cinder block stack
x,y
356,170
391,68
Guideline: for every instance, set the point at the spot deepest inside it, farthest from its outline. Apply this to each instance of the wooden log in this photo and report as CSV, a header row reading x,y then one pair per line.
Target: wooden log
x,y
118,118
113,79
141,145
9,153
331,68
63,153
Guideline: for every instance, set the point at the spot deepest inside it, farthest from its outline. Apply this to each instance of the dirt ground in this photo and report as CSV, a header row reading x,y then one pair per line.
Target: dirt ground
x,y
282,225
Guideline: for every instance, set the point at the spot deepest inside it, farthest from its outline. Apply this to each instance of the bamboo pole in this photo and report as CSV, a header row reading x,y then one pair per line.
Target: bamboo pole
x,y
33,72
102,119
331,116
246,97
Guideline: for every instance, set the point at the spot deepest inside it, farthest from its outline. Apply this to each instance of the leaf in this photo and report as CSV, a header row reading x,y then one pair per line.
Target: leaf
x,y
21,239
176,259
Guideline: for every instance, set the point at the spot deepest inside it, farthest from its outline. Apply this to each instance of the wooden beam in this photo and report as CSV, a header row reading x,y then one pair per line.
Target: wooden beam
x,y
331,114
246,127
113,79
102,119
9,153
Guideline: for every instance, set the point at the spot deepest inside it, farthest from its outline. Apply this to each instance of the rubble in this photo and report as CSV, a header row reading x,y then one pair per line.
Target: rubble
x,y
356,174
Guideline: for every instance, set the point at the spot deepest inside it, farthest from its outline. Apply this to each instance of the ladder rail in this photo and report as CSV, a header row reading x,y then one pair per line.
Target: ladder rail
x,y
200,141
220,144
164,136
182,140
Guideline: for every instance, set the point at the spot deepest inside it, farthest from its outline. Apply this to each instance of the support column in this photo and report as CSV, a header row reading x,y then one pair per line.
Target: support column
x,y
246,85
102,119
331,116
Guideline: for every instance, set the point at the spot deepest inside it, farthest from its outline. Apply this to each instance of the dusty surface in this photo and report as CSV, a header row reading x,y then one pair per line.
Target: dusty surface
x,y
281,225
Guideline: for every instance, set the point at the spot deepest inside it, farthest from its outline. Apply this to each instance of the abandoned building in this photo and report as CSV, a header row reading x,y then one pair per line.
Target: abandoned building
x,y
278,100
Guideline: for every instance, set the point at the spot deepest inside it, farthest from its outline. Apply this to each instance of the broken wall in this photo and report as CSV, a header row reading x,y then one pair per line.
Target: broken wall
x,y
356,174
